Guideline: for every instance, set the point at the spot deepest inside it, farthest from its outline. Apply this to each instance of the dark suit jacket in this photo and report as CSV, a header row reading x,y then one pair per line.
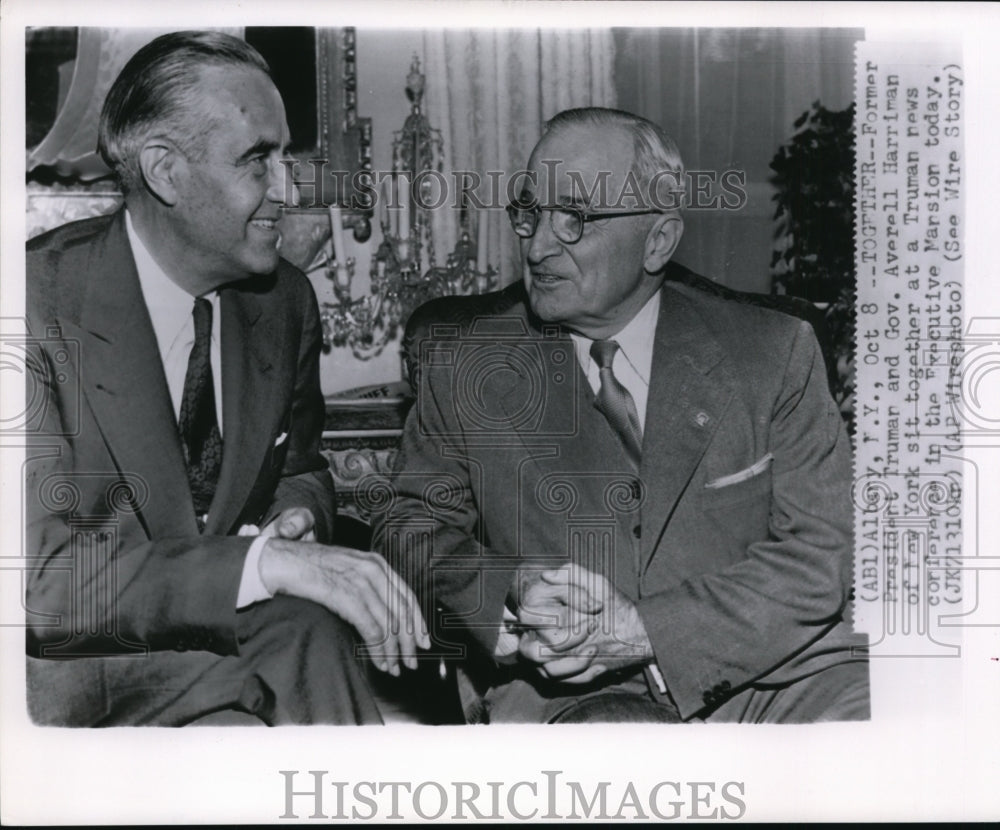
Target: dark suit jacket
x,y
118,563
505,460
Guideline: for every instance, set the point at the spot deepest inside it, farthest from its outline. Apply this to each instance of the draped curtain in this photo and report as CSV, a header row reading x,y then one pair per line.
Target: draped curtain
x,y
70,147
490,92
729,98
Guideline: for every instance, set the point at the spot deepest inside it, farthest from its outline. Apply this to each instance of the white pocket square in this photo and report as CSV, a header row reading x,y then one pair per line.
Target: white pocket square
x,y
280,439
742,475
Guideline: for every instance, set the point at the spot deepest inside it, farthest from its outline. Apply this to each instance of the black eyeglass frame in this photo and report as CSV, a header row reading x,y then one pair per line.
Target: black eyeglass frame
x,y
584,216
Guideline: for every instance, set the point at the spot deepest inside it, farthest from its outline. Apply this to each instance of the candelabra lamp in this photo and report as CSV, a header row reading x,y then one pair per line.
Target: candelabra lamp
x,y
404,271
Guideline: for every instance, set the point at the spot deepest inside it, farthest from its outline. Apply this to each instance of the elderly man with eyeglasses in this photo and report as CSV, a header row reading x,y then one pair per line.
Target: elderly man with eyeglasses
x,y
620,497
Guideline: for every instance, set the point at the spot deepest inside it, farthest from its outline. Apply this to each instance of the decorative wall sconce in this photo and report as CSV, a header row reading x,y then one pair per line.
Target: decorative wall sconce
x,y
403,271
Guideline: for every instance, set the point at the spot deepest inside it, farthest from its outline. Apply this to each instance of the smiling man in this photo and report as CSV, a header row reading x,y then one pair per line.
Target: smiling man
x,y
625,498
186,579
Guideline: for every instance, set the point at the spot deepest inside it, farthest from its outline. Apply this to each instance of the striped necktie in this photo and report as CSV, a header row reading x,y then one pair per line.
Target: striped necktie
x,y
615,402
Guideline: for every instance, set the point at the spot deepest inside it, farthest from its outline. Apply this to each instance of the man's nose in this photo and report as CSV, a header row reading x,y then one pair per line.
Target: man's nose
x,y
544,242
280,186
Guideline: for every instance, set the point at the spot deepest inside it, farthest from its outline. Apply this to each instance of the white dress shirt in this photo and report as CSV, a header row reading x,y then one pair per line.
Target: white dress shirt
x,y
170,309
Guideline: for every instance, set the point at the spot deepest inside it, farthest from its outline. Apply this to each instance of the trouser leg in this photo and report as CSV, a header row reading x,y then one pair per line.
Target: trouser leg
x,y
305,668
296,665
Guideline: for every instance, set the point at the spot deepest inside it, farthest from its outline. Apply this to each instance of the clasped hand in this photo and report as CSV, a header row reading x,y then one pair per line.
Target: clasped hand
x,y
575,625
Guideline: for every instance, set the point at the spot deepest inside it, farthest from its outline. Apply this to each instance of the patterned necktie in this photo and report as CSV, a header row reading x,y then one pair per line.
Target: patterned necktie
x,y
615,402
198,425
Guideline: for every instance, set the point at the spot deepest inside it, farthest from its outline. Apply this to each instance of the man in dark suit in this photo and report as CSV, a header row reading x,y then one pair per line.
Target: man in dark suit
x,y
626,498
177,499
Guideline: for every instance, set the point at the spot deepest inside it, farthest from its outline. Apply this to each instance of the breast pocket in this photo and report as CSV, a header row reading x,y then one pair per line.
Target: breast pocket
x,y
740,512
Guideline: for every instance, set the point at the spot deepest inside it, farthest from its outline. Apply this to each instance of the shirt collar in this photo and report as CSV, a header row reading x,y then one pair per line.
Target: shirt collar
x,y
169,305
635,340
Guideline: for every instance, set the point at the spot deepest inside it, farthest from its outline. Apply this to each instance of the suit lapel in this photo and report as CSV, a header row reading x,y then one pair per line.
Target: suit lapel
x,y
247,395
124,383
689,391
123,380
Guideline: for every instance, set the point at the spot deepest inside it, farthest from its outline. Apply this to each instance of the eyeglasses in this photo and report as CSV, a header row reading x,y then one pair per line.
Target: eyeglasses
x,y
567,222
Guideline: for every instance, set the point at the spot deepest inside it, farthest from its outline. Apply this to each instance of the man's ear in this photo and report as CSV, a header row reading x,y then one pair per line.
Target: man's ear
x,y
160,162
661,241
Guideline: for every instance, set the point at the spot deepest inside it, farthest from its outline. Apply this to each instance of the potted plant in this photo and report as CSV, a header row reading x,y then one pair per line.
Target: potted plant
x,y
814,237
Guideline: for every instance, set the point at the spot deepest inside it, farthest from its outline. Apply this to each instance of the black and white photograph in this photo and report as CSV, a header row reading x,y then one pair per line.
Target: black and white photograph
x,y
528,411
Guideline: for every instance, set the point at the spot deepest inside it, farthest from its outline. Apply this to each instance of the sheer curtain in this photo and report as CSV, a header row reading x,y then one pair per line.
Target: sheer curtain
x,y
489,92
729,98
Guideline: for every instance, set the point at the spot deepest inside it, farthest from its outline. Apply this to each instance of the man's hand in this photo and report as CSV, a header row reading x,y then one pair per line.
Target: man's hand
x,y
578,626
293,523
356,585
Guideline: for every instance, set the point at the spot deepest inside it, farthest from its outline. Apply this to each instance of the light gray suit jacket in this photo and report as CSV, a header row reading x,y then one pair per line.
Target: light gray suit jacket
x,y
506,463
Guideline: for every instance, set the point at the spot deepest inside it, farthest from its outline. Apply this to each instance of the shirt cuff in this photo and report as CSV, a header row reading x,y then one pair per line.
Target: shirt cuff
x,y
252,587
508,641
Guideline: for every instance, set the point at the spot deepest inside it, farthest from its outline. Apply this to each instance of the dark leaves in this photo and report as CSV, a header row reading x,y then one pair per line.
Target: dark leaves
x,y
814,222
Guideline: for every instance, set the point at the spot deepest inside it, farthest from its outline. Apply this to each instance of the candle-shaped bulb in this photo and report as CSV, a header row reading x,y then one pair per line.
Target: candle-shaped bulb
x,y
337,229
404,210
481,259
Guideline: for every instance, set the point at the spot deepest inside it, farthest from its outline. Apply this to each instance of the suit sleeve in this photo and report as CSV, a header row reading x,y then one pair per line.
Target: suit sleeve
x,y
95,584
429,529
729,628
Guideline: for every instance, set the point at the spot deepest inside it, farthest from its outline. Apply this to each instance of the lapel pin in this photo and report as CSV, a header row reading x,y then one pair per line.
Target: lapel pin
x,y
702,419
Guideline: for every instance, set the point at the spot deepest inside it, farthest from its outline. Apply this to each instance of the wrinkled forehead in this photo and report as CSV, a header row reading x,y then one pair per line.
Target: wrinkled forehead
x,y
571,165
245,91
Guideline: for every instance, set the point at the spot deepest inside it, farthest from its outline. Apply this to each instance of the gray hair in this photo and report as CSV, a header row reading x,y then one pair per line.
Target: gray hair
x,y
654,151
158,90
